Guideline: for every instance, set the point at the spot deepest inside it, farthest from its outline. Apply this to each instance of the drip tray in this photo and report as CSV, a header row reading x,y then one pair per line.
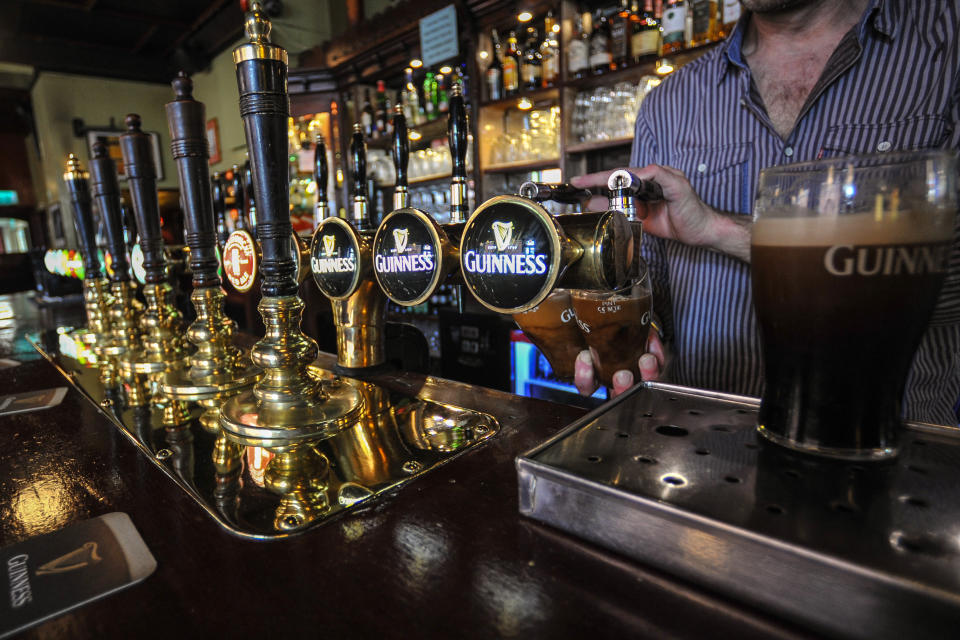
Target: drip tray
x,y
677,479
398,438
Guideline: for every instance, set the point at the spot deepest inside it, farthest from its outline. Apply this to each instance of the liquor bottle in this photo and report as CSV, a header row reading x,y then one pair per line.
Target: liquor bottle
x,y
645,40
430,95
703,15
601,59
367,115
531,66
550,51
511,67
620,32
673,25
578,51
494,73
412,96
443,104
730,14
381,117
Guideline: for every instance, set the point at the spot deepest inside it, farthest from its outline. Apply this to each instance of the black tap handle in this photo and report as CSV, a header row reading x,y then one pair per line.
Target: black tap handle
x,y
219,208
239,197
106,190
358,162
457,133
188,143
563,193
401,146
320,172
142,178
265,108
78,183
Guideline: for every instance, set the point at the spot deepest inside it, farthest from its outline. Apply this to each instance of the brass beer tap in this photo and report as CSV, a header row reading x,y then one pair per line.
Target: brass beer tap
x,y
288,407
342,262
218,368
163,349
95,286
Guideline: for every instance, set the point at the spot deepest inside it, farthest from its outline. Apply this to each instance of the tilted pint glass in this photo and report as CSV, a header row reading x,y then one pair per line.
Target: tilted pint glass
x,y
848,258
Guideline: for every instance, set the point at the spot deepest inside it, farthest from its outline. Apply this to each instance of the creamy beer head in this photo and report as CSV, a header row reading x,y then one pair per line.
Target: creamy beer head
x,y
848,257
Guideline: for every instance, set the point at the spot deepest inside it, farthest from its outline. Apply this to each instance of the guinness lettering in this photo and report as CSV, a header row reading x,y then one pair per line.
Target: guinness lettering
x,y
512,264
404,263
333,265
896,260
20,590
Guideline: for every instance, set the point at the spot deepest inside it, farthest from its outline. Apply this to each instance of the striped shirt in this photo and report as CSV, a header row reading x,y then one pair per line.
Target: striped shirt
x,y
891,84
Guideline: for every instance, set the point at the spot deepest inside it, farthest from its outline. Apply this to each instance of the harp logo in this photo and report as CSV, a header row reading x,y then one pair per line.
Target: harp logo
x,y
502,234
400,237
329,245
76,559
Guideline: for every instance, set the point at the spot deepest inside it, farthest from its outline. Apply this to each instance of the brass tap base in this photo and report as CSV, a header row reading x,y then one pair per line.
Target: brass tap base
x,y
361,327
124,318
288,404
260,493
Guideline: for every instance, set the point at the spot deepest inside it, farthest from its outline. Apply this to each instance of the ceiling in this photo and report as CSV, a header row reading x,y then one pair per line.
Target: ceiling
x,y
147,40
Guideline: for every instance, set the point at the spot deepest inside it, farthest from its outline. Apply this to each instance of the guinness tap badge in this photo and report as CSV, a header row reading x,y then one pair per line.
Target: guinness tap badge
x,y
335,258
502,234
400,237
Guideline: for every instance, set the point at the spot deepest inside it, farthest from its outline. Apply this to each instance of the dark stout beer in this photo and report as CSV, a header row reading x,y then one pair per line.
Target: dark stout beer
x,y
842,303
615,326
552,327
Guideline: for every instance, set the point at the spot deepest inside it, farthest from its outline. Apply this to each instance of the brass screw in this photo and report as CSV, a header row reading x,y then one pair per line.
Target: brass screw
x,y
163,454
411,467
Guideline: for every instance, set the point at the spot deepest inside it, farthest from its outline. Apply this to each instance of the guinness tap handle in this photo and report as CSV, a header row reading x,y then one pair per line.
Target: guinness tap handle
x,y
401,146
358,169
142,179
457,136
563,193
320,172
188,144
265,109
106,190
78,183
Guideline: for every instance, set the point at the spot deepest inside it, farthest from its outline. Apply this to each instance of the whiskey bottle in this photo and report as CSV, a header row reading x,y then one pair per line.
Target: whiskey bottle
x,y
600,57
673,25
645,40
578,51
511,67
531,69
550,51
620,33
494,73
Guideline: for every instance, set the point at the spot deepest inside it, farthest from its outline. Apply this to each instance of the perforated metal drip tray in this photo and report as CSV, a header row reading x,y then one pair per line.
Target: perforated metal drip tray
x,y
677,478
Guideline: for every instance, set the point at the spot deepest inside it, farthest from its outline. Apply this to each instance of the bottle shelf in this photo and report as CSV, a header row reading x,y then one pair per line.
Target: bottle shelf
x,y
428,131
599,145
540,95
431,178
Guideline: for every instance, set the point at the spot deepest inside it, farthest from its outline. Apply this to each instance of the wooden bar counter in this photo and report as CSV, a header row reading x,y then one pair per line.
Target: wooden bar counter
x,y
445,556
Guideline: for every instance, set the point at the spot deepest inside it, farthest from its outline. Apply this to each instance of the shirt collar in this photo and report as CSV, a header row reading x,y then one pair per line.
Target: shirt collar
x,y
880,14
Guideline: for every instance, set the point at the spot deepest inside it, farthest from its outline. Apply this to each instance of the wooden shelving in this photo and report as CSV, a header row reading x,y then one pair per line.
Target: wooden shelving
x,y
526,165
599,145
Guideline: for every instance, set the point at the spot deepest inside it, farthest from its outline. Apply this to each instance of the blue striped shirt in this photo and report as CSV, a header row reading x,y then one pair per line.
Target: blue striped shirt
x,y
891,84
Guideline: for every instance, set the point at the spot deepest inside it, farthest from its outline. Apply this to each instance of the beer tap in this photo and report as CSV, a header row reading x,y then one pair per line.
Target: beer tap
x,y
320,176
124,309
288,408
95,295
218,368
413,254
163,349
341,260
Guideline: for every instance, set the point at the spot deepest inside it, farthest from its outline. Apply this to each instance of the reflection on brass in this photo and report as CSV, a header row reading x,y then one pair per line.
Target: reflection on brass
x,y
288,404
162,353
218,368
257,28
124,314
360,320
299,476
97,303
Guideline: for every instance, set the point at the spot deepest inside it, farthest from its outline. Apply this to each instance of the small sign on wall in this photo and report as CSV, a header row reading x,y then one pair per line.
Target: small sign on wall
x,y
439,40
213,140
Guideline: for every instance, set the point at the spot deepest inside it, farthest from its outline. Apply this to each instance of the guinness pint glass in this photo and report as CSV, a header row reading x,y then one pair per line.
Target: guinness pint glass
x,y
848,255
551,326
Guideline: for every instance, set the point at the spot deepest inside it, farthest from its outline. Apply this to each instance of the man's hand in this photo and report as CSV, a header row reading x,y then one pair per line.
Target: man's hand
x,y
651,365
681,215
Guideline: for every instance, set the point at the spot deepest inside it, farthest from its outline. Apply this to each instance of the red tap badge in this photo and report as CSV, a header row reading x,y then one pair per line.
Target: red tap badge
x,y
240,260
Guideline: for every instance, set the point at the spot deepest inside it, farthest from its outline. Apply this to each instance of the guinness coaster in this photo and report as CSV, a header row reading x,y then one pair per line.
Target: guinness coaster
x,y
31,401
54,573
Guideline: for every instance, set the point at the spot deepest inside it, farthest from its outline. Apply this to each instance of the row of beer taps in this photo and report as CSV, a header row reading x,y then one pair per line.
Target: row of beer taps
x,y
510,253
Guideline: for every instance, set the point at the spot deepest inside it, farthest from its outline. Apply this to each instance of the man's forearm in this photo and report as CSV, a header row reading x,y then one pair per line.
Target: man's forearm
x,y
731,235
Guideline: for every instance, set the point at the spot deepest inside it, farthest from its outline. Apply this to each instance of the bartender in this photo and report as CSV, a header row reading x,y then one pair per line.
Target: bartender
x,y
797,80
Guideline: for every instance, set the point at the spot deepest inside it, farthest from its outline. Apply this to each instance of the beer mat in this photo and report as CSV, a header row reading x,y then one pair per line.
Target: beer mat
x,y
31,400
6,363
54,573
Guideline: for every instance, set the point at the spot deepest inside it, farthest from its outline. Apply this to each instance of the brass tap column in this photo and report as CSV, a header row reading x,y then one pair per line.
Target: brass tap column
x,y
288,407
163,348
341,261
413,254
124,310
95,295
218,368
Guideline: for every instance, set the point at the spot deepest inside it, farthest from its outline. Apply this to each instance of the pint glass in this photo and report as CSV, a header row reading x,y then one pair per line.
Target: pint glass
x,y
551,326
848,257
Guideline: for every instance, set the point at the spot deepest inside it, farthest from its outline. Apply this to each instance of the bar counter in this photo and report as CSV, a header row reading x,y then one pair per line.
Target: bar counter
x,y
445,556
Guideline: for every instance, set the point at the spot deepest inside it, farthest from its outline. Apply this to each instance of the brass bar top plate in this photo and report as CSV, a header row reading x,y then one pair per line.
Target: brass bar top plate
x,y
677,478
399,436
